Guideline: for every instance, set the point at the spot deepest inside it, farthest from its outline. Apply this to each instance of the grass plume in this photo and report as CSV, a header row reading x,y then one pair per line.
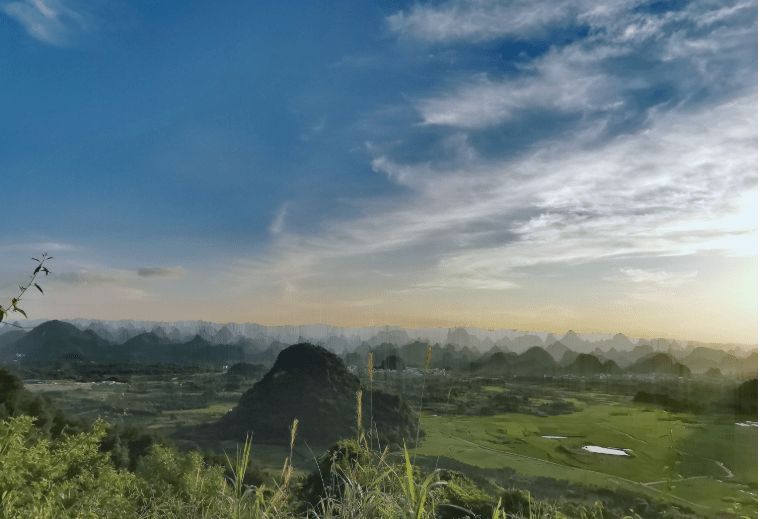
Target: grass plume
x,y
293,429
360,433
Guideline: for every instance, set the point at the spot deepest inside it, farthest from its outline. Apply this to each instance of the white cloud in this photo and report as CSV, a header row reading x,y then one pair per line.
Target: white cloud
x,y
744,8
563,80
659,278
681,187
50,21
482,20
672,185
279,221
578,77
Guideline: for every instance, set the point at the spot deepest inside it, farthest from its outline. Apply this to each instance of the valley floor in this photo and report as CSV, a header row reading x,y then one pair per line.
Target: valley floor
x,y
514,434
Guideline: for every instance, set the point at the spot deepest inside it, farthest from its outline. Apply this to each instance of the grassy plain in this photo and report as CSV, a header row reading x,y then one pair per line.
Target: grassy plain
x,y
706,463
703,462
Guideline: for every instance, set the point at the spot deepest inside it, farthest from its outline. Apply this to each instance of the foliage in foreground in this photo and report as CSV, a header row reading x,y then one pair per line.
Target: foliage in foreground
x,y
71,478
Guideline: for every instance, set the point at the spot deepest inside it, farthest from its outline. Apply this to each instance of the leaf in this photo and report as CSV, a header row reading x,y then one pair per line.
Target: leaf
x,y
38,268
409,474
39,288
13,302
20,311
35,259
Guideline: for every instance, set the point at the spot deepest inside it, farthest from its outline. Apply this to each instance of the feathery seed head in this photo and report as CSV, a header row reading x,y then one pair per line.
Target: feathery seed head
x,y
371,367
428,357
359,409
284,467
384,455
293,429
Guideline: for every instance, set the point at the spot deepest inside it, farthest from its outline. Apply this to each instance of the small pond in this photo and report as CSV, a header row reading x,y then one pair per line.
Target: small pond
x,y
606,450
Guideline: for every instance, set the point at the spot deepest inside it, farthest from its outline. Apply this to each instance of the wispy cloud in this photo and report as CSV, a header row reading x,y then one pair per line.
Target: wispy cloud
x,y
563,80
658,159
55,247
161,272
481,20
96,275
279,221
40,247
313,130
485,20
659,278
704,46
672,189
50,21
90,277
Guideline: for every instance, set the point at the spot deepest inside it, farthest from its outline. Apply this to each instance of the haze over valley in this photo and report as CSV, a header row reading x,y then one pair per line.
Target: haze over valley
x,y
249,341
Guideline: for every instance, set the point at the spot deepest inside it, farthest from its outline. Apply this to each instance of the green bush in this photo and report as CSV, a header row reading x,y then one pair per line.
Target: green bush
x,y
70,477
461,497
173,484
65,478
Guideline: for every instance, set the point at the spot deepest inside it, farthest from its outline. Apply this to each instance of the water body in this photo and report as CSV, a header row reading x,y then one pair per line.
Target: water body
x,y
747,424
555,437
605,450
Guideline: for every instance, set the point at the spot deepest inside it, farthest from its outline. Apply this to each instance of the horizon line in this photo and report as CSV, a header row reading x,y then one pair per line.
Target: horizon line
x,y
490,330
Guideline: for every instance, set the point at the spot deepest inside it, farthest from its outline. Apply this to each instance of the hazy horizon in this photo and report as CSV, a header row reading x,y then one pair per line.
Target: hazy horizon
x,y
322,331
544,166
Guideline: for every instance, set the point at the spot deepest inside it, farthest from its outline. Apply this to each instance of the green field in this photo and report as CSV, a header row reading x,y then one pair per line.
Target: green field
x,y
675,457
703,462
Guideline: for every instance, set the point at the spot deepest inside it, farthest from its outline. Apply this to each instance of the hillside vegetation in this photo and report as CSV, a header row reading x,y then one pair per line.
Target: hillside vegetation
x,y
486,433
56,465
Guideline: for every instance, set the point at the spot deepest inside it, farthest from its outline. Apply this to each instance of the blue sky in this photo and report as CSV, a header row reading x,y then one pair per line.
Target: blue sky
x,y
539,165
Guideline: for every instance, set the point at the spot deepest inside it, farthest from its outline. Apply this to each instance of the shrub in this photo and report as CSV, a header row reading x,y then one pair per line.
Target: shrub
x,y
66,478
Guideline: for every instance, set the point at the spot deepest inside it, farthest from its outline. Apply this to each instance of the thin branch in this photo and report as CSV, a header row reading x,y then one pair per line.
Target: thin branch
x,y
22,290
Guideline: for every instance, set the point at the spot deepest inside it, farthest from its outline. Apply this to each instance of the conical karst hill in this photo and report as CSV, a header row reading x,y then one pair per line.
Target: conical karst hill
x,y
311,384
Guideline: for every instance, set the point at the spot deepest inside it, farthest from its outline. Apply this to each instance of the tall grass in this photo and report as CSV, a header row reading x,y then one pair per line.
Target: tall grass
x,y
422,395
371,373
416,497
239,494
262,502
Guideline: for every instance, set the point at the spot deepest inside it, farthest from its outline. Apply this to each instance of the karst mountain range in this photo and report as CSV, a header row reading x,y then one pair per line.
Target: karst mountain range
x,y
145,342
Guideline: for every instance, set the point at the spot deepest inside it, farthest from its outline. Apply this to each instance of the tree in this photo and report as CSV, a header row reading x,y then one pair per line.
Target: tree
x,y
14,302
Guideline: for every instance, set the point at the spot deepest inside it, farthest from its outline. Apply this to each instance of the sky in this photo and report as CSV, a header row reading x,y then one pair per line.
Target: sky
x,y
539,165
